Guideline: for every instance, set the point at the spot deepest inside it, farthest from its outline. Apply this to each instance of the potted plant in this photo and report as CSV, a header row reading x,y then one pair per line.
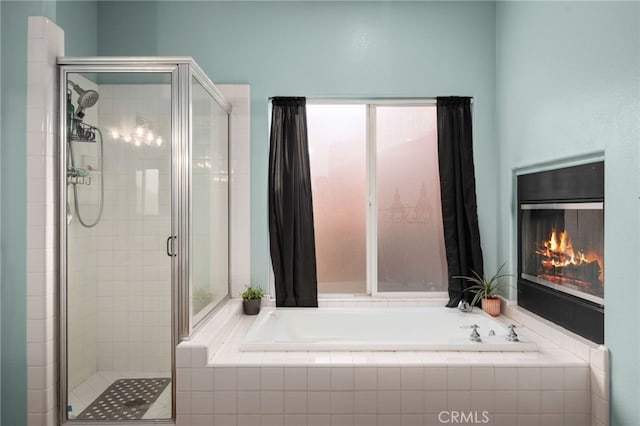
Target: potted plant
x,y
251,300
486,290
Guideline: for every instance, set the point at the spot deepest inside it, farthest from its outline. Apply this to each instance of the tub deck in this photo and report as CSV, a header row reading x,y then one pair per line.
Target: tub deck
x,y
219,384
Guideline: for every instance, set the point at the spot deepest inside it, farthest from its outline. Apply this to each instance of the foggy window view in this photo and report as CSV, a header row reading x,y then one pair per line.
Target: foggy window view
x,y
411,254
410,245
337,153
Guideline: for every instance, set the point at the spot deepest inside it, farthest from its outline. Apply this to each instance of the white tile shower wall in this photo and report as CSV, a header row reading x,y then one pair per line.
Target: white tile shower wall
x,y
82,261
134,271
239,189
45,41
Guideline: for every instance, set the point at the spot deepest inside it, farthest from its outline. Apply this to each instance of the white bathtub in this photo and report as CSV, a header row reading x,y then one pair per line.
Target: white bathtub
x,y
376,329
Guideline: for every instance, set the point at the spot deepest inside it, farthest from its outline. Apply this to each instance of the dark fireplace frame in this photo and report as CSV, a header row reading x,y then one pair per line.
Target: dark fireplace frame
x,y
577,184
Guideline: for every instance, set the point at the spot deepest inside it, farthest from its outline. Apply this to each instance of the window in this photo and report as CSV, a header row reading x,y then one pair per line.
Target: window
x,y
338,157
376,198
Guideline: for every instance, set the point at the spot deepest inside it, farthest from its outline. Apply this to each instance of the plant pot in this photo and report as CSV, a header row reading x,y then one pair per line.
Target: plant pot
x,y
251,306
491,306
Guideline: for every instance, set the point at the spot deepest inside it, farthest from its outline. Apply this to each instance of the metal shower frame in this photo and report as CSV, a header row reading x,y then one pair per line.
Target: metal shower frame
x,y
182,69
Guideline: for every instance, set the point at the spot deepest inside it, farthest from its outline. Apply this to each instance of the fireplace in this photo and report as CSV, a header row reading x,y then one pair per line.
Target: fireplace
x,y
561,247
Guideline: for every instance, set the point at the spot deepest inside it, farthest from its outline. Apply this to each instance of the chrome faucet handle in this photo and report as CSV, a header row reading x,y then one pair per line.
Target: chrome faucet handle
x,y
464,306
475,336
511,335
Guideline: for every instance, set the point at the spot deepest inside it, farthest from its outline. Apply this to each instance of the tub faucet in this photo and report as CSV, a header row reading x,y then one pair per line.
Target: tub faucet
x,y
475,336
464,306
512,336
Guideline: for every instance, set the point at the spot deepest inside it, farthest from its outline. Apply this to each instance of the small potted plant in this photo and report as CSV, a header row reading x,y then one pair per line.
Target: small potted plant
x,y
251,300
486,290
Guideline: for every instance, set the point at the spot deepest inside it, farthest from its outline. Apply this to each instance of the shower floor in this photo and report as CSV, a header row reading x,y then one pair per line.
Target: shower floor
x,y
86,392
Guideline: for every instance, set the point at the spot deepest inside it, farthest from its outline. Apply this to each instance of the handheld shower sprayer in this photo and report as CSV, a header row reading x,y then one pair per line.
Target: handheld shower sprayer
x,y
78,131
86,98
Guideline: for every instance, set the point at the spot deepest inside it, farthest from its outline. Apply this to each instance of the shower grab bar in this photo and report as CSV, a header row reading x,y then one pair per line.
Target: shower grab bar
x,y
170,252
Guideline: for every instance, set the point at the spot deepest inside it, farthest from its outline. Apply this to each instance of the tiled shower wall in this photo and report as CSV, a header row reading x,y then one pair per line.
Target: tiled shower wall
x,y
118,271
45,42
82,272
134,271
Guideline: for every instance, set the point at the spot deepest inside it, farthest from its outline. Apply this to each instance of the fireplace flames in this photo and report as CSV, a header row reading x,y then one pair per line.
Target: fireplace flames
x,y
562,264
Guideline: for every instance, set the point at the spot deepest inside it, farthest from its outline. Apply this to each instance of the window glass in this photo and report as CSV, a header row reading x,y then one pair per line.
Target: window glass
x,y
406,239
410,244
337,152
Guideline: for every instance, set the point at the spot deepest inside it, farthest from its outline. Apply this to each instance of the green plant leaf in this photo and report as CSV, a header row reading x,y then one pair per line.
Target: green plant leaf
x,y
484,287
252,293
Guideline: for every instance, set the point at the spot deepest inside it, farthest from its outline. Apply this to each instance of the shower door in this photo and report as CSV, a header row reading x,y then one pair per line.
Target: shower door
x,y
119,240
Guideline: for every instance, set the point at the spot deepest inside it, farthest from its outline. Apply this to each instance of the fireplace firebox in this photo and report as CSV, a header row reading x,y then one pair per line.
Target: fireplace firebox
x,y
561,247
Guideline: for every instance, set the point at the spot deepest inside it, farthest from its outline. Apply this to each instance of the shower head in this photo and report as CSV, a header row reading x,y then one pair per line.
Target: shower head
x,y
86,98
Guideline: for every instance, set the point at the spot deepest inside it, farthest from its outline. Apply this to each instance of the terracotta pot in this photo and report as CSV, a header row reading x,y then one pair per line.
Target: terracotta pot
x,y
491,306
251,306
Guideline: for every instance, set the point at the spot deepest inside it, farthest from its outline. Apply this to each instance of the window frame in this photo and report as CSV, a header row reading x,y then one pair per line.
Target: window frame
x,y
371,288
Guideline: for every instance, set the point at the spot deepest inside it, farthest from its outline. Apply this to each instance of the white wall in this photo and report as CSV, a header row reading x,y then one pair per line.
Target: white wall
x,y
239,186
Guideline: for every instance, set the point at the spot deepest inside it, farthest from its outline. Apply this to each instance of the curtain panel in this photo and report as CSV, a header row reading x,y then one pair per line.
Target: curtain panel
x,y
291,234
458,195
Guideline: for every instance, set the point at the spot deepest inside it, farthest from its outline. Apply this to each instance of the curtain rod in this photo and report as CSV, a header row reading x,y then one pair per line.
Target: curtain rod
x,y
358,99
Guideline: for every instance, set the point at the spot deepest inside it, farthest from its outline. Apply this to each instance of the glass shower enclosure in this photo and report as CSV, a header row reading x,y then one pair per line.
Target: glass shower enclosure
x,y
143,225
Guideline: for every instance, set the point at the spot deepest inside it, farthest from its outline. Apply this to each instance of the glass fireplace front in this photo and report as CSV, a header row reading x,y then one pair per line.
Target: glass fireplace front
x,y
562,247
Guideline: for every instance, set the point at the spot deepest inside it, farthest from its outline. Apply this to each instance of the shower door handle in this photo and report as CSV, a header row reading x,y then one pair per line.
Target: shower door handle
x,y
170,240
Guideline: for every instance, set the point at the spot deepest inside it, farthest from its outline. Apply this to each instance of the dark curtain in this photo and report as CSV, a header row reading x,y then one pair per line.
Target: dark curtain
x,y
291,235
458,194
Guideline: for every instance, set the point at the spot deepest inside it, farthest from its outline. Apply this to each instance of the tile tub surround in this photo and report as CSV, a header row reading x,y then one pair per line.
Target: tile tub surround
x,y
217,384
597,356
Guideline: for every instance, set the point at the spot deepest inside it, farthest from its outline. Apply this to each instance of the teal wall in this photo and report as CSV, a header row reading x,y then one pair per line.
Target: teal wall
x,y
568,84
325,49
13,51
79,20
